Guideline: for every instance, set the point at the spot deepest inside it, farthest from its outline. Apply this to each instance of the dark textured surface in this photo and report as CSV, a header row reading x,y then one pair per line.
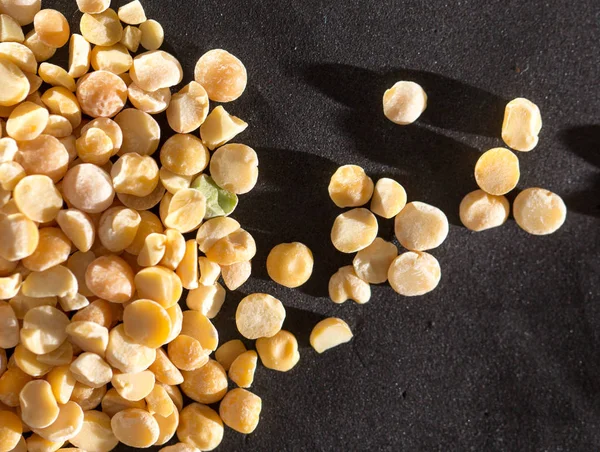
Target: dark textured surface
x,y
505,354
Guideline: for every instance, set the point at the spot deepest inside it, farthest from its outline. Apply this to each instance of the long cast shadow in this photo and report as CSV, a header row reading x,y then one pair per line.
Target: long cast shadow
x,y
452,104
584,141
433,167
290,203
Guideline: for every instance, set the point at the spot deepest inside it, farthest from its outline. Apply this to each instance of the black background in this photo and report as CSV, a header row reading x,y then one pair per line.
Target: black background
x,y
505,354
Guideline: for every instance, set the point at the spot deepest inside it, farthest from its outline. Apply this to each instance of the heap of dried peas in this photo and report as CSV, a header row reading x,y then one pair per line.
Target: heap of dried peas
x,y
90,293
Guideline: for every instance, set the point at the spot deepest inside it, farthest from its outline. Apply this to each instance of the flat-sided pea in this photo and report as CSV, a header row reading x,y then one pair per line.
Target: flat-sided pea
x,y
155,70
207,299
539,211
52,28
101,94
15,86
213,230
372,263
159,284
101,29
57,281
222,75
354,230
346,285
110,278
227,353
219,202
188,108
404,102
414,273
88,188
61,101
239,246
240,410
522,124
135,428
207,384
259,315
147,323
187,354
23,11
68,424
421,227
200,427
242,369
37,197
112,402
234,167
220,127
389,198
183,211
126,355
152,35
278,352
350,186
44,155
141,132
96,433
329,333
79,56
56,76
290,264
41,51
480,211
78,227
497,171
38,405
44,329
27,121
152,102
131,38
134,386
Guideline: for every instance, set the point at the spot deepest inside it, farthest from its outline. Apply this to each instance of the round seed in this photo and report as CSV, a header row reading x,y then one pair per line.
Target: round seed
x,y
141,133
41,51
44,329
389,198
183,211
147,323
206,299
152,35
110,278
131,38
52,28
480,211
38,405
135,428
372,263
165,370
184,155
159,284
350,186
188,108
56,76
67,425
412,274
57,281
126,355
222,75
91,370
240,410
213,230
9,331
155,70
134,386
354,230
44,155
497,171
421,227
234,167
23,12
15,86
37,197
259,315
88,188
242,369
207,384
101,29
279,352
199,427
290,264
27,121
404,102
78,227
220,127
10,430
101,94
539,211
96,433
187,353
235,275
20,237
522,124
112,403
152,102
88,336
239,246
61,101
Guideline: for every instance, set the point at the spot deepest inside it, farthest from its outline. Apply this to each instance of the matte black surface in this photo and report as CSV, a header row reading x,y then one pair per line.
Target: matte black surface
x,y
505,354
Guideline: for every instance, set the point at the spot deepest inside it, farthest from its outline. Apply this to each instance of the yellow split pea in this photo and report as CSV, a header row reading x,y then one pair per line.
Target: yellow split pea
x,y
290,264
